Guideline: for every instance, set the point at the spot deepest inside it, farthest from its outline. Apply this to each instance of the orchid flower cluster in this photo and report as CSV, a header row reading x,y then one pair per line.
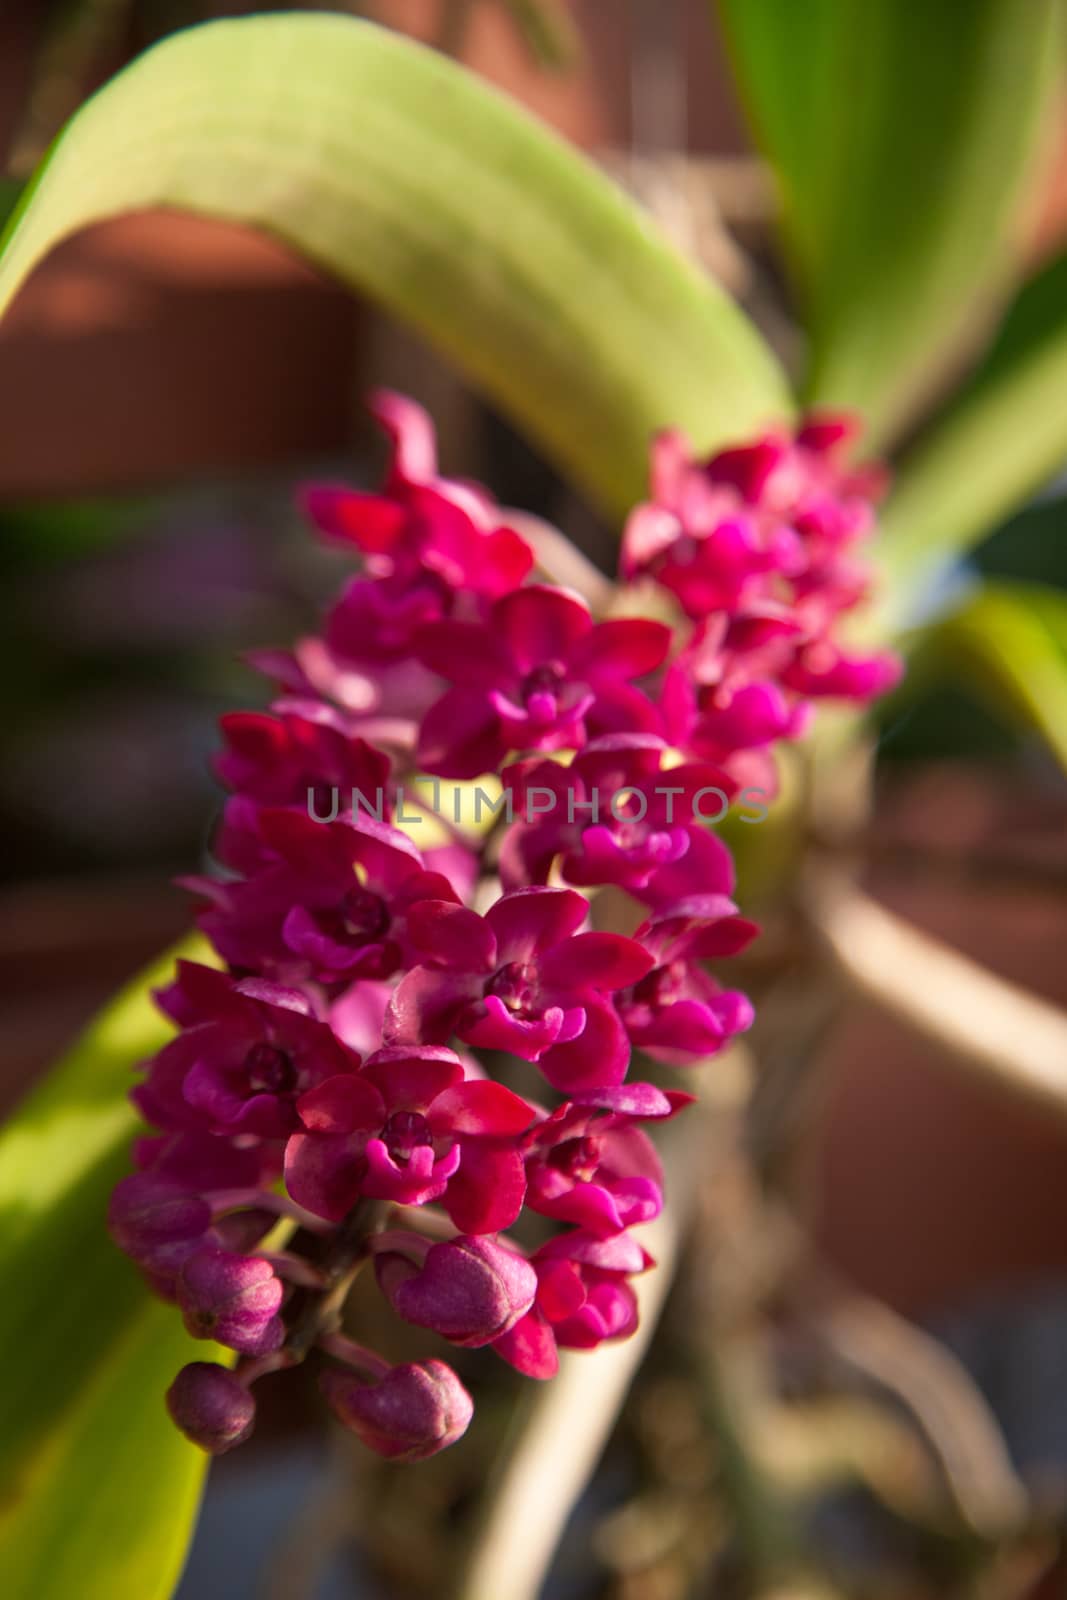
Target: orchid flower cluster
x,y
334,1095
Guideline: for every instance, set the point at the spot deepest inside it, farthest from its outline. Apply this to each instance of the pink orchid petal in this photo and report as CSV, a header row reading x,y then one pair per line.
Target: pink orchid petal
x,y
560,1290
323,1173
748,467
603,961
427,1005
344,1104
687,1030
493,1027
451,936
530,1347
541,624
586,1205
411,434
529,921
598,1058
707,868
650,531
620,1253
459,736
508,559
627,647
487,1192
465,653
421,1179
630,1099
477,1107
412,1080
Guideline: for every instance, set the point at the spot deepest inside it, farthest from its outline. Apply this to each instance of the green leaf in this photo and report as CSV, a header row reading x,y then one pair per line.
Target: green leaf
x,y
98,1490
1000,441
549,32
903,136
1030,547
1009,643
413,181
10,194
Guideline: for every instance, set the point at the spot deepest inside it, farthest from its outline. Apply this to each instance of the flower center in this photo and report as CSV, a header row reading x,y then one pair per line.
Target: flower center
x,y
516,985
404,1133
578,1158
270,1069
662,986
631,833
364,915
547,679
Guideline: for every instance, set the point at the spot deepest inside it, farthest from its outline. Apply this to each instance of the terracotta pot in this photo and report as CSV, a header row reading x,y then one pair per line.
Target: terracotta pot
x,y
933,1189
157,347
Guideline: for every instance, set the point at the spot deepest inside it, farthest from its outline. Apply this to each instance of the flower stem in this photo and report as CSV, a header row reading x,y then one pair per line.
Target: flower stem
x,y
342,1348
348,1251
294,1269
222,1201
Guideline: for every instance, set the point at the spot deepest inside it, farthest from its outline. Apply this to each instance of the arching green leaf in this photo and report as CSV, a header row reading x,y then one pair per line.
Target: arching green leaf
x,y
1000,441
414,182
903,136
98,1490
1009,641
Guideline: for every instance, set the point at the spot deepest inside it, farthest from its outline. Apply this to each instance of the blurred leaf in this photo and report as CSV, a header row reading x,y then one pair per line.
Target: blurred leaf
x,y
549,32
10,194
903,137
936,718
98,1490
413,181
74,36
1031,546
37,535
1009,643
1001,440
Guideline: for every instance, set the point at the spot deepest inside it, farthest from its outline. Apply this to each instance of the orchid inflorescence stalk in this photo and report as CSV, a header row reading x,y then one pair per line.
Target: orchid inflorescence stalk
x,y
338,1077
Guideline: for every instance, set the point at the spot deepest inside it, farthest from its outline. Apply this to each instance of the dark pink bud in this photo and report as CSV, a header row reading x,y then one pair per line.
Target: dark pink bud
x,y
470,1290
211,1407
234,1299
409,1414
157,1222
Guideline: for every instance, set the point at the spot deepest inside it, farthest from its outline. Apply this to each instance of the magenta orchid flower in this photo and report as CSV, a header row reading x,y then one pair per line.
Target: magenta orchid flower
x,y
422,523
584,1297
291,760
614,816
330,904
521,979
239,1068
538,674
411,1128
677,1012
588,1163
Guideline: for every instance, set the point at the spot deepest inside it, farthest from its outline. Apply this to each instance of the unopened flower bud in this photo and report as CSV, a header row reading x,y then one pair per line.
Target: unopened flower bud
x,y
211,1407
411,1413
470,1289
157,1222
234,1299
